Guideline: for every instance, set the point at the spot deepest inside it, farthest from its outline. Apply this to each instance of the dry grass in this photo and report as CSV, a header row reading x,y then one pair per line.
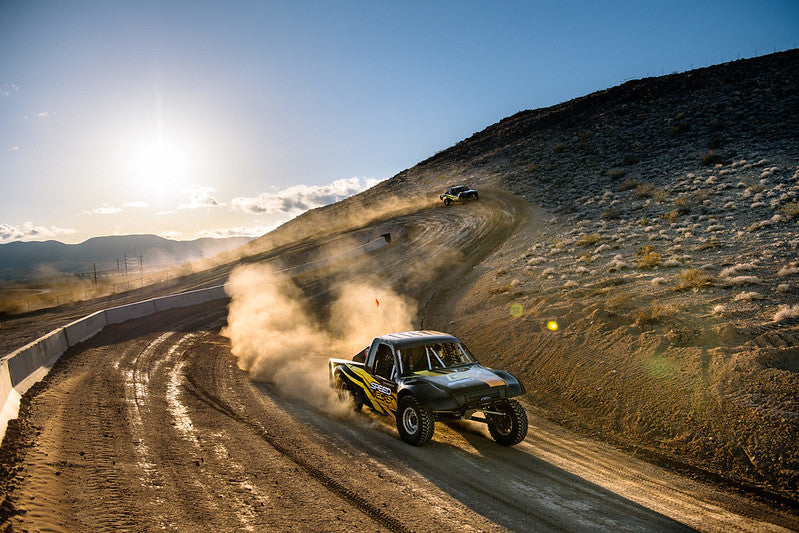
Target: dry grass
x,y
648,257
588,240
629,184
654,313
692,278
790,211
502,289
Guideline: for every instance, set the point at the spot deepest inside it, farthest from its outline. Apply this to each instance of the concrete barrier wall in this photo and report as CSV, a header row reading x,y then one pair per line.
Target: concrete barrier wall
x,y
28,359
9,399
86,327
217,293
184,299
23,367
122,313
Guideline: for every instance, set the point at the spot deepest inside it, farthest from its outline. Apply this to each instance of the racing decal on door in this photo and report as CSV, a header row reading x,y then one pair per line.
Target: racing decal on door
x,y
378,396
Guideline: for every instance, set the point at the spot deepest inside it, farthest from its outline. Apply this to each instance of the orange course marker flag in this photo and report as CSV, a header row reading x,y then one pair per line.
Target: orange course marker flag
x,y
377,302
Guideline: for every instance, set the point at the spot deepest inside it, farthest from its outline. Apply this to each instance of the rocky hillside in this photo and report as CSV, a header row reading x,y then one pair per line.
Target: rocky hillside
x,y
670,260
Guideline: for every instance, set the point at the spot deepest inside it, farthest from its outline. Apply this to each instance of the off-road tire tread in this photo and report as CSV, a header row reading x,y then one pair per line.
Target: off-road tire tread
x,y
519,426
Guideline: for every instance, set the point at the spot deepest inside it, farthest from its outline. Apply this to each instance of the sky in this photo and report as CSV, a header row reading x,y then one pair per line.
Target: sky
x,y
192,119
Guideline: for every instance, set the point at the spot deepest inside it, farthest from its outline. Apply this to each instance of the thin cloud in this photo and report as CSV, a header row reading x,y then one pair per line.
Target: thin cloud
x,y
240,231
106,209
43,114
302,197
8,89
14,148
173,235
200,197
28,231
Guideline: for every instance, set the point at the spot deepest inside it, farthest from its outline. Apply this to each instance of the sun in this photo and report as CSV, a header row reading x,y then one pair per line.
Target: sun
x,y
159,162
157,167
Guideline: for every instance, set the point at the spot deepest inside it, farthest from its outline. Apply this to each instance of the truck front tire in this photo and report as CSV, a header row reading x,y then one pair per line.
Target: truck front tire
x,y
510,427
414,423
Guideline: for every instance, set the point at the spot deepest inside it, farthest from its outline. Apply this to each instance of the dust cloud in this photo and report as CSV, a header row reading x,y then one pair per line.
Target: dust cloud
x,y
277,340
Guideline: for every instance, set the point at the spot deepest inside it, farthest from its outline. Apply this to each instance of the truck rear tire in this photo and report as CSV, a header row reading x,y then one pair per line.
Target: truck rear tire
x,y
414,423
510,427
346,394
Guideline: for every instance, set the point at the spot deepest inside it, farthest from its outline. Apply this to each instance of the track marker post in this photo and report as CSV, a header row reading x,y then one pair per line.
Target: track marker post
x,y
377,302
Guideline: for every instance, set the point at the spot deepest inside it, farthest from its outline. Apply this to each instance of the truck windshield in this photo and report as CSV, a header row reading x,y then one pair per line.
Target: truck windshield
x,y
434,356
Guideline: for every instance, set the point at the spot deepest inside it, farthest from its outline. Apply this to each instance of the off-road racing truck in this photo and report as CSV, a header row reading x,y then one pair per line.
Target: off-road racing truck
x,y
459,194
423,376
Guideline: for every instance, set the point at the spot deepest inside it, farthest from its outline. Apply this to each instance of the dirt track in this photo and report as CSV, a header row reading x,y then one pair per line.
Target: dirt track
x,y
151,425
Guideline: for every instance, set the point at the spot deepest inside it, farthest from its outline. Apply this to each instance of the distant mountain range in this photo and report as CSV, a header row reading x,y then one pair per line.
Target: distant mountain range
x,y
26,260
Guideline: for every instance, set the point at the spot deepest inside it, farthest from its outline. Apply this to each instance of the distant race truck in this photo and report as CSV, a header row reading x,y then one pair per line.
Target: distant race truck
x,y
423,376
459,194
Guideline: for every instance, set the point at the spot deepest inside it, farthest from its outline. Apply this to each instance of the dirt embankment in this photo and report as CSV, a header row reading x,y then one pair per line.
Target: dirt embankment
x,y
668,258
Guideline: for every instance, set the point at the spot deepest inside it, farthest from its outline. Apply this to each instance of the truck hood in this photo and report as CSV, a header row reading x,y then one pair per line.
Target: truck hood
x,y
466,379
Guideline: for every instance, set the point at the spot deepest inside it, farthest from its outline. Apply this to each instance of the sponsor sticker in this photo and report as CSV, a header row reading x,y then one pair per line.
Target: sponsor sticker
x,y
375,386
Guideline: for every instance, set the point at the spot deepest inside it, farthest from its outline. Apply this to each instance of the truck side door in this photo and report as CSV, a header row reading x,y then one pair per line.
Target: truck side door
x,y
383,374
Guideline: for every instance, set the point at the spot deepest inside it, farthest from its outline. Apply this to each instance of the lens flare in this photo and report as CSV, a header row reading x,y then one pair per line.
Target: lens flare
x,y
516,310
552,325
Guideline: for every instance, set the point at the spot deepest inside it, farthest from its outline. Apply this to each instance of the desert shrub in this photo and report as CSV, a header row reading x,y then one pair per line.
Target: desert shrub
x,y
710,244
648,257
644,190
734,269
789,270
617,263
790,211
559,147
612,213
672,216
743,280
501,289
616,173
784,312
745,296
629,184
588,240
711,158
654,313
532,167
692,278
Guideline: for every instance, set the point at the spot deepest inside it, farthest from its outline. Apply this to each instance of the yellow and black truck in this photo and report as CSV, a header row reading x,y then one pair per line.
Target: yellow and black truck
x,y
423,376
459,194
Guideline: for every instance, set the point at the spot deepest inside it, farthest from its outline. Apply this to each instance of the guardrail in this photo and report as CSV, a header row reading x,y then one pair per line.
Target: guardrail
x,y
24,367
